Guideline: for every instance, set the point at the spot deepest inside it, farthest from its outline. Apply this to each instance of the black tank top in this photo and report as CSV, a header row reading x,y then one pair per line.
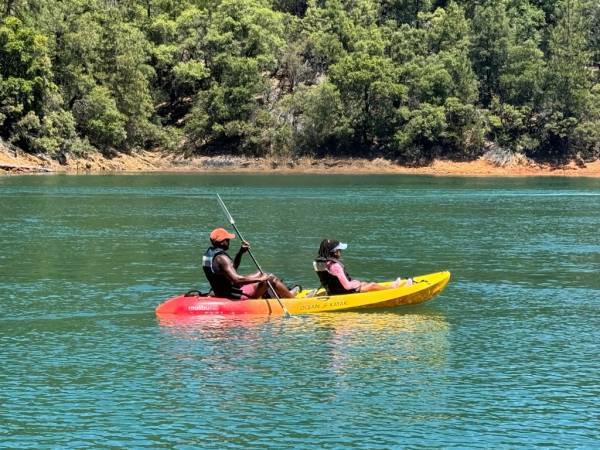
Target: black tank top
x,y
220,284
330,282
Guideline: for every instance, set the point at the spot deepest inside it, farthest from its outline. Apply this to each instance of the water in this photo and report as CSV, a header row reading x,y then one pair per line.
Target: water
x,y
505,357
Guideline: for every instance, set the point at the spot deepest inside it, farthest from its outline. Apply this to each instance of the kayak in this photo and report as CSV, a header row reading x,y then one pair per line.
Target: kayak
x,y
424,288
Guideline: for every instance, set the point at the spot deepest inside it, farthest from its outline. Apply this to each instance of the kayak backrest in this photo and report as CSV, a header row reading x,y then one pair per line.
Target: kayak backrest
x,y
196,293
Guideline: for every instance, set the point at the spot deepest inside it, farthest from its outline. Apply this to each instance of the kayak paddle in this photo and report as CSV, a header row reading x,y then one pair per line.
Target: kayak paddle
x,y
232,222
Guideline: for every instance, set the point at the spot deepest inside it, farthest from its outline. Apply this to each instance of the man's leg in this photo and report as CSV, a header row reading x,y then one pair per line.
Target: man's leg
x,y
261,288
254,290
281,288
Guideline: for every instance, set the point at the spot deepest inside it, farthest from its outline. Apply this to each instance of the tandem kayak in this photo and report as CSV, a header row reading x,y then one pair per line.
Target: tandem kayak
x,y
425,287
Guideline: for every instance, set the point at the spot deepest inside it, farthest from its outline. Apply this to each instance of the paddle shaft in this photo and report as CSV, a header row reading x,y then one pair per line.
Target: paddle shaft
x,y
232,222
249,251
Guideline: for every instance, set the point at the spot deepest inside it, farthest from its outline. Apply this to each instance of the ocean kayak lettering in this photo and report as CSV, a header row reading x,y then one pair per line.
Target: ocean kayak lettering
x,y
208,307
320,305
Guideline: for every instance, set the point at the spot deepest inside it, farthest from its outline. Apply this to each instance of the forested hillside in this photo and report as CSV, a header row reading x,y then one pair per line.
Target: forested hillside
x,y
404,79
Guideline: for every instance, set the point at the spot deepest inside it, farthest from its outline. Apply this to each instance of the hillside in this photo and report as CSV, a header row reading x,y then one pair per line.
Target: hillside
x,y
409,82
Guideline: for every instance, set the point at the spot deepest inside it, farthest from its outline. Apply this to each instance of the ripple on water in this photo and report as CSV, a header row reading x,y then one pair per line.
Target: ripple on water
x,y
505,357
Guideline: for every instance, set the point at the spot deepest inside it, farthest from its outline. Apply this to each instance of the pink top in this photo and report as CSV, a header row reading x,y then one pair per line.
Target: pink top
x,y
337,270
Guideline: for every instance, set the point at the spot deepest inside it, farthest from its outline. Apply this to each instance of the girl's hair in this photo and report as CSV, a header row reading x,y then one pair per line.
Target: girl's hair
x,y
326,247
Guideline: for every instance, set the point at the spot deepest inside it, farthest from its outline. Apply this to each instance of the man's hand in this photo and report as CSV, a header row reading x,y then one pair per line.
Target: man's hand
x,y
267,277
263,277
244,247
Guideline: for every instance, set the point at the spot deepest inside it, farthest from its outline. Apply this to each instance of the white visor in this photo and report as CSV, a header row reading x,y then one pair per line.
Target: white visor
x,y
340,246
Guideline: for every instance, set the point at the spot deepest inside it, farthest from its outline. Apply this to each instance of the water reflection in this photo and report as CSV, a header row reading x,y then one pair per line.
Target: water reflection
x,y
340,343
344,323
185,324
330,364
366,341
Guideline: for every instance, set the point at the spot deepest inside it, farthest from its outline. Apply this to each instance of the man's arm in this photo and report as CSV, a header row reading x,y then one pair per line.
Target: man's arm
x,y
238,256
227,267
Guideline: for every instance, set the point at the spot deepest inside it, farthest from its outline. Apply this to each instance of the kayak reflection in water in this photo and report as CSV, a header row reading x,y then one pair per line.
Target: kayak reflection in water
x,y
333,275
221,271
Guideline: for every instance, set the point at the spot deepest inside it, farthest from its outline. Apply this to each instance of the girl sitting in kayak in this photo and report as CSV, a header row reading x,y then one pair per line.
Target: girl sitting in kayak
x,y
334,277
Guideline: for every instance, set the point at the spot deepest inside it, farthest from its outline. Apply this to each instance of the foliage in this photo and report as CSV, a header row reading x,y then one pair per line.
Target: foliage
x,y
405,79
25,73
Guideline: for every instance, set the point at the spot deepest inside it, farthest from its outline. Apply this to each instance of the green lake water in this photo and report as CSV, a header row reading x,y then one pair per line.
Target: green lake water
x,y
508,356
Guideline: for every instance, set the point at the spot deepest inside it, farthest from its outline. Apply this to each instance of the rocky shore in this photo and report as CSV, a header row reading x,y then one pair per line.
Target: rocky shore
x,y
13,163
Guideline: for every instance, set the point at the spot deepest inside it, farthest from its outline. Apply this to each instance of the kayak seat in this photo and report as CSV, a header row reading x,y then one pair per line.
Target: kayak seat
x,y
315,293
197,293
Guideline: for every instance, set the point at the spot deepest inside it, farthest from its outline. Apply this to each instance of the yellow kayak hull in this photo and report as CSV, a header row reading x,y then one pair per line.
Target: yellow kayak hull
x,y
425,288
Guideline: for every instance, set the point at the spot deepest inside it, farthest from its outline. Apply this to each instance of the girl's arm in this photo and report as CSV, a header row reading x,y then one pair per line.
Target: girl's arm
x,y
338,271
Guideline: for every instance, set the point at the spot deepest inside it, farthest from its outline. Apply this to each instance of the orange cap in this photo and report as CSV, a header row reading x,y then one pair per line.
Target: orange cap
x,y
220,234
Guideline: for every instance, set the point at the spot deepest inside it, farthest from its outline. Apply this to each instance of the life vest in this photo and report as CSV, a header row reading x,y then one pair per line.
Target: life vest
x,y
220,284
330,282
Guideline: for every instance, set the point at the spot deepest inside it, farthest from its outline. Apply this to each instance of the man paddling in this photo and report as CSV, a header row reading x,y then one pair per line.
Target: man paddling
x,y
221,271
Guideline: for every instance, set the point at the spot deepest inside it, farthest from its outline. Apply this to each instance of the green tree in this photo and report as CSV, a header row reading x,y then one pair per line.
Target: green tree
x,y
442,87
491,40
127,75
241,45
95,48
25,72
310,121
295,7
178,59
403,11
593,12
322,126
99,118
370,93
569,78
521,82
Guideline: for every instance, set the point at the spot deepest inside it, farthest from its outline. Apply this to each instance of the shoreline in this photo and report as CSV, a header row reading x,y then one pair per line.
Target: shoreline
x,y
156,162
